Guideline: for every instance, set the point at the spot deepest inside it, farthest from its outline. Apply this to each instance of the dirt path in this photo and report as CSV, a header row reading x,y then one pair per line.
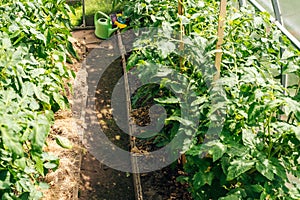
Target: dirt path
x,y
99,181
80,175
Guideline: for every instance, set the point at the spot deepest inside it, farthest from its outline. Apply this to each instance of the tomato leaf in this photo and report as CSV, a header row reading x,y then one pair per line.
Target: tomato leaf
x,y
238,167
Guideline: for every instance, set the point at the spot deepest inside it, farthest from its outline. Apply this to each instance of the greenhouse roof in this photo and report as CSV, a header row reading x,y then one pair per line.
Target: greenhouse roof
x,y
290,14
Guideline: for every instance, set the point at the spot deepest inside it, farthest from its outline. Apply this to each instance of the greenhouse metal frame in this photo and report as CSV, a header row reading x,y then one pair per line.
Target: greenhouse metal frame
x,y
278,20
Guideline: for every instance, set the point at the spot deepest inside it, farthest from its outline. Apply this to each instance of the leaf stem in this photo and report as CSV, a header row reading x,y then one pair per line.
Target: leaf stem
x,y
269,135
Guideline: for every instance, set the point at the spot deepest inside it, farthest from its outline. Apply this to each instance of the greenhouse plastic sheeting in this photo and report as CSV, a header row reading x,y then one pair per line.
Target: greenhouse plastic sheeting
x,y
290,14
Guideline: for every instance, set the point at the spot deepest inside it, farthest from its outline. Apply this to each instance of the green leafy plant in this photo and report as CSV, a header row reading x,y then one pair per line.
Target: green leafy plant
x,y
256,154
34,48
91,7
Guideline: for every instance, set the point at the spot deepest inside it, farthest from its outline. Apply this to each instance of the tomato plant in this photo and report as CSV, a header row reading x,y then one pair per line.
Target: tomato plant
x,y
34,48
256,153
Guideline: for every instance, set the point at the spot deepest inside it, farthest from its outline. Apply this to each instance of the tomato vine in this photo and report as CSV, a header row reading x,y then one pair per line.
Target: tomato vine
x,y
257,150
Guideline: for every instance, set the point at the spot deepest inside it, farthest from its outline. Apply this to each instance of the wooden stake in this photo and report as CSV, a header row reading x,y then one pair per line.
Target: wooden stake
x,y
181,48
181,44
135,167
221,27
180,7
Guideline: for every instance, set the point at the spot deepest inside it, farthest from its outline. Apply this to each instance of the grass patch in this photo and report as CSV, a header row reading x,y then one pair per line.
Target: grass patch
x,y
92,6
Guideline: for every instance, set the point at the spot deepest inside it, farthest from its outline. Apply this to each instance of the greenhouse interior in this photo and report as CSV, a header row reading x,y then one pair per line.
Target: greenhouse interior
x,y
150,100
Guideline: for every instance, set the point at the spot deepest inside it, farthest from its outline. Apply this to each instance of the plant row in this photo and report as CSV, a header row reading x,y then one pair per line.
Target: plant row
x,y
34,48
245,141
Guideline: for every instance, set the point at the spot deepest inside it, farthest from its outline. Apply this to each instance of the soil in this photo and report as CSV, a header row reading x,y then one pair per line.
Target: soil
x,y
80,175
64,181
108,184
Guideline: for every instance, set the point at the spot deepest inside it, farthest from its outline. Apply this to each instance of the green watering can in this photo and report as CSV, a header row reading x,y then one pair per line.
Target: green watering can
x,y
103,26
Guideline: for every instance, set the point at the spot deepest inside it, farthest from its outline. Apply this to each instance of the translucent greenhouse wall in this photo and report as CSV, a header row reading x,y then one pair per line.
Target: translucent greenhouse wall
x,y
290,14
291,25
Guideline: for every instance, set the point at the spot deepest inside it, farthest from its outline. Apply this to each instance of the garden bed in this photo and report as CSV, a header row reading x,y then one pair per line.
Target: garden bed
x,y
80,175
236,130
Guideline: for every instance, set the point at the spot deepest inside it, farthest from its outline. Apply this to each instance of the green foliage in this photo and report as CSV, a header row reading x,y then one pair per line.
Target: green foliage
x,y
63,142
34,48
91,7
256,154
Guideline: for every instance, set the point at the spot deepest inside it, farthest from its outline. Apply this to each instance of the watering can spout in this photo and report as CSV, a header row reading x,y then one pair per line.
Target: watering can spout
x,y
112,30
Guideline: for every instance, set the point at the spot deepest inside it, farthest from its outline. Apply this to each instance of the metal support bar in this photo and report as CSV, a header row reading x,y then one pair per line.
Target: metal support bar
x,y
278,17
83,13
277,11
242,3
294,40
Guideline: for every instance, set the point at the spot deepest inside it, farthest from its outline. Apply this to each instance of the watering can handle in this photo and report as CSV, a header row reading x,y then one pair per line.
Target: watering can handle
x,y
96,16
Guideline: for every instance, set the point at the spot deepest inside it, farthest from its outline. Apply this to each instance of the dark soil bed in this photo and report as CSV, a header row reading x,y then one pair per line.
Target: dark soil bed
x,y
91,179
156,185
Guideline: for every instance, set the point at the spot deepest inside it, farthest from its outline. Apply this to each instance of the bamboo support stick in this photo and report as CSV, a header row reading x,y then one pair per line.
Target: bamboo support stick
x,y
181,44
221,27
181,59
